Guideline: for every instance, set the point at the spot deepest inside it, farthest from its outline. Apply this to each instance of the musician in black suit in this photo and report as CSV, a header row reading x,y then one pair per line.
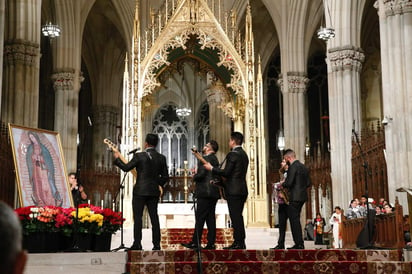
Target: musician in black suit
x,y
207,195
235,187
152,172
296,183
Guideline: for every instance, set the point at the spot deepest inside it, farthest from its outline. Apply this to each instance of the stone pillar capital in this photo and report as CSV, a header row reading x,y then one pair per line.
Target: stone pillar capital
x,y
346,58
216,93
65,80
297,82
394,7
21,52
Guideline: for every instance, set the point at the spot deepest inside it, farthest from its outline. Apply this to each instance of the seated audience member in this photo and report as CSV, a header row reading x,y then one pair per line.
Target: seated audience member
x,y
353,210
378,210
12,256
388,208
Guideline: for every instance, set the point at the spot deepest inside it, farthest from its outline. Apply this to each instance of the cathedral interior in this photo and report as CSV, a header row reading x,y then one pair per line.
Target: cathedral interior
x,y
195,70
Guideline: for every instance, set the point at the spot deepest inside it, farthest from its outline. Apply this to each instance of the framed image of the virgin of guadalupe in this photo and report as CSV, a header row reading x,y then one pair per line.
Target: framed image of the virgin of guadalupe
x,y
40,167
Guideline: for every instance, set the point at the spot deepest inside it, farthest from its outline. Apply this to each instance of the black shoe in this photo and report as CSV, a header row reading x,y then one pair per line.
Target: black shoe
x,y
236,246
297,247
190,245
278,247
156,247
136,247
208,246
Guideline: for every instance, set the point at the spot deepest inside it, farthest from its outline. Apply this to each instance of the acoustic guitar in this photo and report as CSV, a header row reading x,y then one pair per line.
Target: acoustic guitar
x,y
217,181
114,148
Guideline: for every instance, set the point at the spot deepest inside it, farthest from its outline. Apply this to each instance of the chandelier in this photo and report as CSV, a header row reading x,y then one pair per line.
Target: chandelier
x,y
326,33
183,111
50,30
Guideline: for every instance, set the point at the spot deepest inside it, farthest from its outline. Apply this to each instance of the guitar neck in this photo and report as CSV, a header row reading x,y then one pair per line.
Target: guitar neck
x,y
200,158
133,171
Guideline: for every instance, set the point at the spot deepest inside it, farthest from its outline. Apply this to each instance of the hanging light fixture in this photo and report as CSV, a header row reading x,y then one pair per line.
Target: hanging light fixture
x,y
326,33
281,141
183,111
49,29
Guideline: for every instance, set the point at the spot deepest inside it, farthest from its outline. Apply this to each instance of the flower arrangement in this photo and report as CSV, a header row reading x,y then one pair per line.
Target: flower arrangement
x,y
39,219
91,219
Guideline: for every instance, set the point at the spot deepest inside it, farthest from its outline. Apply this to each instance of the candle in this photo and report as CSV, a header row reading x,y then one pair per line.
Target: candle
x,y
88,201
102,204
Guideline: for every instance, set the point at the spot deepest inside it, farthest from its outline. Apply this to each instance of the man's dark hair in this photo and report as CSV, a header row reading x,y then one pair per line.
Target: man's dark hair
x,y
152,139
289,152
237,137
214,145
73,173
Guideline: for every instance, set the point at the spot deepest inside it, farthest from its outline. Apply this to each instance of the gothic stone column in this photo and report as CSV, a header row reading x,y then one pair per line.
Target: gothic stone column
x,y
104,125
67,86
20,95
219,122
345,64
395,20
295,111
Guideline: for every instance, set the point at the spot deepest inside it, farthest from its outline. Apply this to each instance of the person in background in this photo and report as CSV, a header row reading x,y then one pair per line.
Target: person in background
x,y
282,201
207,195
378,210
388,208
296,183
319,227
78,193
335,221
235,187
12,256
152,172
353,210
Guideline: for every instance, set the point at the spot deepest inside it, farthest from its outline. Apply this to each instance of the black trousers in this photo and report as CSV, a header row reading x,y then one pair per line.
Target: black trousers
x,y
283,218
236,205
205,213
139,202
294,209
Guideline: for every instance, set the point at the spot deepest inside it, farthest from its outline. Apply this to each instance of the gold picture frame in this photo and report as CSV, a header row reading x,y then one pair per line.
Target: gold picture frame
x,y
40,168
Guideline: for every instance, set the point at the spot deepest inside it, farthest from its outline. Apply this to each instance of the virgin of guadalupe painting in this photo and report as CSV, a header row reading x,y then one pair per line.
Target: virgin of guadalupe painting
x,y
41,172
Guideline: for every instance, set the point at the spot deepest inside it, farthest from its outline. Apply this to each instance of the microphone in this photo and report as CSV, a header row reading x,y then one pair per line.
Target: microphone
x,y
194,149
134,151
353,126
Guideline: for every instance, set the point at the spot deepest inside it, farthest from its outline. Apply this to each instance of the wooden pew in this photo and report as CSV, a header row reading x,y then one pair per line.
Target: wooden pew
x,y
388,230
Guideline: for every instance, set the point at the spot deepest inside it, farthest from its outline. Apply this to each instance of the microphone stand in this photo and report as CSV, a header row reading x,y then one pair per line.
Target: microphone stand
x,y
121,190
199,248
369,218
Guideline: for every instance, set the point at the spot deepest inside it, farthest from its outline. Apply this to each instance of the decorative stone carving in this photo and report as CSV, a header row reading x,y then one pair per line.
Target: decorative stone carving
x,y
346,58
21,52
65,80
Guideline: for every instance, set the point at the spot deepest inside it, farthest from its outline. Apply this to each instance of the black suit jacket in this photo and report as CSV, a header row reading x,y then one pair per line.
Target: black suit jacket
x,y
204,189
237,163
151,170
297,181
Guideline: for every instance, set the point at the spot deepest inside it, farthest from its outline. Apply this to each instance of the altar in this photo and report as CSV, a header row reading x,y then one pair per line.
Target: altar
x,y
181,215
